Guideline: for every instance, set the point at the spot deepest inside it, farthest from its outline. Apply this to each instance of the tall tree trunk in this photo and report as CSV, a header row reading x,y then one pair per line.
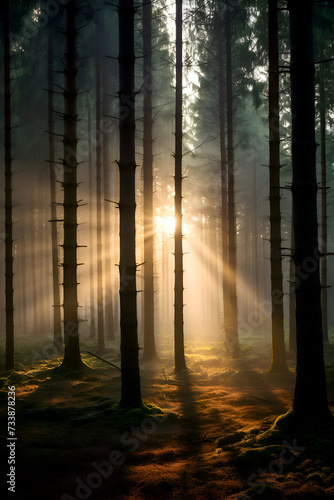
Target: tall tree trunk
x,y
223,171
72,358
149,340
255,237
292,296
100,310
232,330
278,359
109,306
24,271
91,228
323,205
9,275
180,363
57,336
310,399
36,319
131,393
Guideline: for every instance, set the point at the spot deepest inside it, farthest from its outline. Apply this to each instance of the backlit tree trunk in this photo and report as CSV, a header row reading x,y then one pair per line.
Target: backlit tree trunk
x,y
278,359
100,305
72,358
109,305
323,267
149,340
180,363
223,171
131,393
310,399
9,275
57,336
232,330
91,228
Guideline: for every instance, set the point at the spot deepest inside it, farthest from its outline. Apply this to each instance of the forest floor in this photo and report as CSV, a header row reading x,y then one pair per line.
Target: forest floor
x,y
72,443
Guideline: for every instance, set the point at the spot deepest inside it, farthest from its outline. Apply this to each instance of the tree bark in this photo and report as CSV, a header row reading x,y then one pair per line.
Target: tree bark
x,y
91,229
100,305
131,393
232,340
180,363
255,241
323,267
109,305
310,398
9,275
278,358
72,358
149,340
57,334
292,296
223,172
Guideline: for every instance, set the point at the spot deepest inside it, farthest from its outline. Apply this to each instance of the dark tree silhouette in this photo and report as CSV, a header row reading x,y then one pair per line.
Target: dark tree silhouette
x,y
278,359
180,363
232,325
324,230
99,259
310,399
91,229
131,392
149,340
223,165
72,359
57,334
9,275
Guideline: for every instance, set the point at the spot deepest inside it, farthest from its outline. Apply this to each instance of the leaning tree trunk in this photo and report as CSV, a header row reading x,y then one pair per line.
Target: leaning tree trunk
x,y
100,310
180,363
323,205
9,296
149,340
131,393
232,330
72,358
310,399
57,336
223,171
278,359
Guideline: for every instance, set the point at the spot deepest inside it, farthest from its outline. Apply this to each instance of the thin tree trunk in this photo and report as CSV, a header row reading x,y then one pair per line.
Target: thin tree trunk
x,y
180,363
36,319
91,229
57,335
255,238
131,393
310,399
109,306
72,358
149,340
278,358
223,172
323,206
9,275
24,271
100,310
232,330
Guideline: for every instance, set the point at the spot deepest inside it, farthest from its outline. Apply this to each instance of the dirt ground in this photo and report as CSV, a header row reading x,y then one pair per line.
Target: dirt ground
x,y
191,443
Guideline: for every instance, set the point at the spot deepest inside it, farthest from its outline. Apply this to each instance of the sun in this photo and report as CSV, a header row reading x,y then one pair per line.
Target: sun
x,y
165,224
169,224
